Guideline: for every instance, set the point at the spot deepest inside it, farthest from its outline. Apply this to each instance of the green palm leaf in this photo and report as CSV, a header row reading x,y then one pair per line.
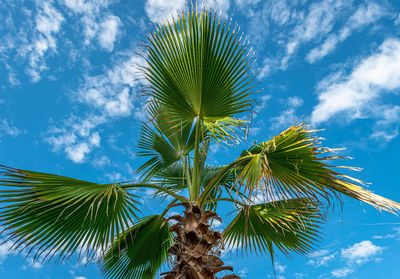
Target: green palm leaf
x,y
290,225
140,251
164,143
58,215
199,66
290,166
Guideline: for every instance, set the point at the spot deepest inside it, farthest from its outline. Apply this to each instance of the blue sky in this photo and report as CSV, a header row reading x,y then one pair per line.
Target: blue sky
x,y
69,104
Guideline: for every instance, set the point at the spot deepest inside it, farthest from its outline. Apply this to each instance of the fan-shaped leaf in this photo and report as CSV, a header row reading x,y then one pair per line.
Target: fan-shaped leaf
x,y
199,66
58,215
163,142
140,251
290,225
289,166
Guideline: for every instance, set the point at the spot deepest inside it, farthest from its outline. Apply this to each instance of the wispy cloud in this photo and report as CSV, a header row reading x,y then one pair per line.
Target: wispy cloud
x,y
342,272
357,95
111,92
356,255
7,128
159,10
218,5
8,249
76,137
280,268
302,25
365,15
395,234
292,27
243,272
5,251
321,258
107,97
97,21
108,32
48,24
318,21
288,116
397,20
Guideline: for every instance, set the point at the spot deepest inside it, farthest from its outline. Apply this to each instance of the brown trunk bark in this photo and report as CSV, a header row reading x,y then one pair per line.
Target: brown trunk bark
x,y
194,246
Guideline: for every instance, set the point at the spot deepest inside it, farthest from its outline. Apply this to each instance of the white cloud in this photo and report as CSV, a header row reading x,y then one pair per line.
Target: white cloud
x,y
246,3
111,92
107,96
295,101
9,129
288,116
217,225
12,79
78,151
5,250
243,272
280,268
262,103
108,32
342,272
361,252
363,16
159,10
318,253
322,260
101,161
48,24
319,21
389,118
397,20
86,6
80,277
356,255
395,234
35,264
76,138
95,24
302,24
356,94
219,5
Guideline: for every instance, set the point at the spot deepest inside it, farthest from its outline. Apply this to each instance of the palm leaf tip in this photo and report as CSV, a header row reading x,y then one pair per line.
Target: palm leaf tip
x,y
291,166
54,215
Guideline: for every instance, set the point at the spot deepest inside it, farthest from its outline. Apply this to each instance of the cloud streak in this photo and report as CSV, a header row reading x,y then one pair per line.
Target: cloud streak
x,y
48,24
362,17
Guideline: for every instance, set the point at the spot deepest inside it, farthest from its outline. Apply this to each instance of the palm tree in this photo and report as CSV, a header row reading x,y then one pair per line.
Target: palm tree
x,y
200,80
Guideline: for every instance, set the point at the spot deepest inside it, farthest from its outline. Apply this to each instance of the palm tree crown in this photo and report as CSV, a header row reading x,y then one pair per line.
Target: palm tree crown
x,y
200,79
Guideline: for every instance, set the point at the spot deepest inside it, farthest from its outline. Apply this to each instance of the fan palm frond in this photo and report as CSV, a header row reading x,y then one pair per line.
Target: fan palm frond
x,y
140,251
58,215
199,67
290,166
163,142
289,225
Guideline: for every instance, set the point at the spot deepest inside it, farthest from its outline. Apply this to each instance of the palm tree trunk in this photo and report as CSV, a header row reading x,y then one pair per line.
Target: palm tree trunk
x,y
195,246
